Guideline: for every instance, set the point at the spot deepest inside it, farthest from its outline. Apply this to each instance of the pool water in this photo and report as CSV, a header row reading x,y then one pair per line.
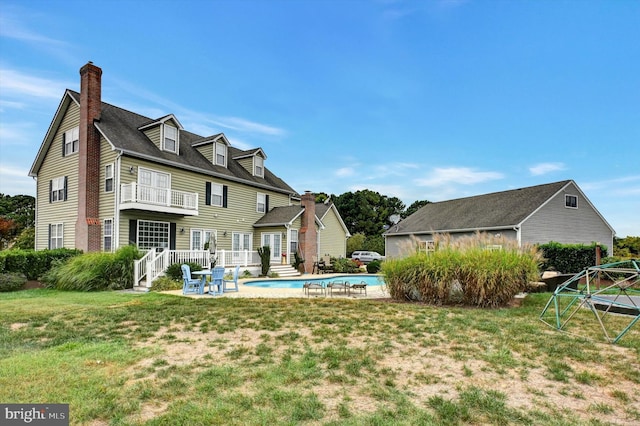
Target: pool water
x,y
371,280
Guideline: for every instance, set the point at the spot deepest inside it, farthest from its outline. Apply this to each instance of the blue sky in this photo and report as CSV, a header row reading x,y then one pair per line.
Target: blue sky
x,y
414,99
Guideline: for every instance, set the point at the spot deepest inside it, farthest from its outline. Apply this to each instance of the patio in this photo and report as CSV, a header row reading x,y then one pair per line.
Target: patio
x,y
373,292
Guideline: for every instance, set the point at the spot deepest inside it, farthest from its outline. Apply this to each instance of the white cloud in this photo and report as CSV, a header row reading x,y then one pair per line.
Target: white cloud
x,y
246,126
457,175
544,168
10,27
19,84
14,181
345,172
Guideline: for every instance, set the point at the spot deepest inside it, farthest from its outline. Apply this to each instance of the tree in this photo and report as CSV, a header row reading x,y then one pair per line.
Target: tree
x,y
414,207
17,213
626,247
366,211
7,232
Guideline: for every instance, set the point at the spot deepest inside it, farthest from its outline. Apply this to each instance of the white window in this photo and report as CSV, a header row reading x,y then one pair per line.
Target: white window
x,y
153,234
220,154
216,194
241,241
58,189
261,205
107,234
153,186
108,178
426,246
293,241
71,141
259,166
571,201
55,235
170,138
203,239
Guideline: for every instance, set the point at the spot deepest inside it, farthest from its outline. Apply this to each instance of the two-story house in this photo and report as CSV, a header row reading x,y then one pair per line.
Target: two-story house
x,y
108,177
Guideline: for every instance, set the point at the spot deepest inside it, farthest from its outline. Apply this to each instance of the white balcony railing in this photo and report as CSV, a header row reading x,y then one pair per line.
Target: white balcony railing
x,y
153,196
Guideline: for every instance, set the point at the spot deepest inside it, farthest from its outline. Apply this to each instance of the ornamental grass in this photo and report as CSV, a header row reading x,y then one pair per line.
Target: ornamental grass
x,y
479,270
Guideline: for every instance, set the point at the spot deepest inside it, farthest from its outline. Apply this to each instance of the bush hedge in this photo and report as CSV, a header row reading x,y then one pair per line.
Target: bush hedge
x,y
174,271
569,258
11,281
373,267
31,263
94,271
469,271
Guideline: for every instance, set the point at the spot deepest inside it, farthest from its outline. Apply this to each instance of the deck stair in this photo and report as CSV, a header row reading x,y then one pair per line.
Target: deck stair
x,y
284,270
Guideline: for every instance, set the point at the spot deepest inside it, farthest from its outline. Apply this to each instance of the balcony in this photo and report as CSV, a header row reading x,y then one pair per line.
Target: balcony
x,y
162,200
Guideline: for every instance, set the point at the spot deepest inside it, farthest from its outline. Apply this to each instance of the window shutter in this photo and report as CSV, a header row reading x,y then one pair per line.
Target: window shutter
x,y
50,191
64,135
207,192
266,203
225,190
65,189
133,231
172,236
49,238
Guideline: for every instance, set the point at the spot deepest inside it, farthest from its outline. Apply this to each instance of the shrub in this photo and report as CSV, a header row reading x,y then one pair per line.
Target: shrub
x,y
464,270
165,283
94,271
11,281
344,266
174,271
569,258
373,267
33,264
265,259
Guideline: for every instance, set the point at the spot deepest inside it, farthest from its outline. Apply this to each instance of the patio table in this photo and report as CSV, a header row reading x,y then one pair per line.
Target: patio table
x,y
203,277
209,273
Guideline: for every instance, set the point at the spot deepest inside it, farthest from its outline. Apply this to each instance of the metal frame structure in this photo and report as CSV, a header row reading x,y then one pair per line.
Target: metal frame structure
x,y
584,290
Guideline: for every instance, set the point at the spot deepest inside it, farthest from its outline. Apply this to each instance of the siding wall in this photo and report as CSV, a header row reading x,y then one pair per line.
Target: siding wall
x,y
403,245
107,206
247,164
555,222
333,239
55,166
239,215
153,134
207,151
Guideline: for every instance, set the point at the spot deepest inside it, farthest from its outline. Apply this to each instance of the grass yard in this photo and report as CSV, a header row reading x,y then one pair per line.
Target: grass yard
x,y
154,359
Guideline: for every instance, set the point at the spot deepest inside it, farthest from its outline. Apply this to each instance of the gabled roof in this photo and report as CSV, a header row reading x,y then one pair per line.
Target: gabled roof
x,y
497,210
250,153
121,128
323,208
279,216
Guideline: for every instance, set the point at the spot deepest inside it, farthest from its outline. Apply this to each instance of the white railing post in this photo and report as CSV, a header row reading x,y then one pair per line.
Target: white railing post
x,y
246,258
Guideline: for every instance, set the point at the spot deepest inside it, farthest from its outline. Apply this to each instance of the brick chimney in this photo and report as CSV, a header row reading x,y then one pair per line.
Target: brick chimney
x,y
88,230
308,238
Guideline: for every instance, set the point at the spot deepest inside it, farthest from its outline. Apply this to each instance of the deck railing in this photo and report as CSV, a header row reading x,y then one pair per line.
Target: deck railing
x,y
135,193
154,263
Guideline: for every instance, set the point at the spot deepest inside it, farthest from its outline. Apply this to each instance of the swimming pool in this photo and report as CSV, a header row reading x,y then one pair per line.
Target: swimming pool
x,y
371,280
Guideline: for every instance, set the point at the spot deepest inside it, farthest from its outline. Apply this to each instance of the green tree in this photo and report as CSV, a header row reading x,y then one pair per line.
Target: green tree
x,y
355,242
626,247
367,211
19,208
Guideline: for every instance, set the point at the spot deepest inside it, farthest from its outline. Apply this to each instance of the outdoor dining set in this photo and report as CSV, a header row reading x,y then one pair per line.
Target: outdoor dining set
x,y
338,286
214,278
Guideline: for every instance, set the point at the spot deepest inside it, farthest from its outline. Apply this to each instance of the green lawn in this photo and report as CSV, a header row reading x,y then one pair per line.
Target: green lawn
x,y
121,358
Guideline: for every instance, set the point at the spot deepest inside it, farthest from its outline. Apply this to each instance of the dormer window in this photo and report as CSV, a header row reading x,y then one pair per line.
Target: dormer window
x,y
170,139
220,154
258,168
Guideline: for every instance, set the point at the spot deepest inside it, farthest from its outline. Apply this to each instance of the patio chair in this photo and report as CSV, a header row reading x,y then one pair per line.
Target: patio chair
x,y
191,285
311,285
324,265
362,286
339,286
216,285
233,282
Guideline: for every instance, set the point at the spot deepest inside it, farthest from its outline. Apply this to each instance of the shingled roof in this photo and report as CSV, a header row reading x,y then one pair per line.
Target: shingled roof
x,y
122,129
495,210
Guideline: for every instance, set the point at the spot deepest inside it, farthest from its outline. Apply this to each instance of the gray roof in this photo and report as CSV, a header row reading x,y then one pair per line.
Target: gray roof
x,y
279,216
495,210
120,127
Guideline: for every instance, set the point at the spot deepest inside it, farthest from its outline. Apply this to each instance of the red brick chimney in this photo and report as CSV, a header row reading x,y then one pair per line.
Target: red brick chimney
x,y
88,228
308,238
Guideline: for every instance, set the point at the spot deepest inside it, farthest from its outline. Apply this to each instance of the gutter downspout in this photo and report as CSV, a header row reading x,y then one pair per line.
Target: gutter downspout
x,y
116,204
518,235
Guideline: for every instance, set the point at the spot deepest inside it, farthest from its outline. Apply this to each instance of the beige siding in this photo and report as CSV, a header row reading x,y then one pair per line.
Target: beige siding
x,y
247,164
107,207
153,134
239,216
55,166
207,151
333,239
